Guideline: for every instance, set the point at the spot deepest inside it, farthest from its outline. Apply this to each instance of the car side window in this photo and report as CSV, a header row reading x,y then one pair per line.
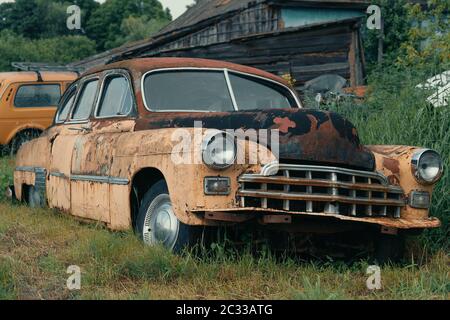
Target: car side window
x,y
37,96
67,103
117,98
86,101
254,94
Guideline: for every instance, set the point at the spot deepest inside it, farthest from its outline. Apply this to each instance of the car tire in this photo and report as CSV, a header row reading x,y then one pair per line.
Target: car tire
x,y
157,223
389,248
34,198
20,139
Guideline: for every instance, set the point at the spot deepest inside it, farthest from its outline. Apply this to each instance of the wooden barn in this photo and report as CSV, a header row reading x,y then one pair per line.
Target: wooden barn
x,y
300,39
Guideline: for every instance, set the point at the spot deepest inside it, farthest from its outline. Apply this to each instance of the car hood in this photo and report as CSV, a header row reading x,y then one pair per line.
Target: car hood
x,y
306,136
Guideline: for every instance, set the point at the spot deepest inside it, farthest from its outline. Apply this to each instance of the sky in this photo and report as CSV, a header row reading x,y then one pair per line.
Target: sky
x,y
177,7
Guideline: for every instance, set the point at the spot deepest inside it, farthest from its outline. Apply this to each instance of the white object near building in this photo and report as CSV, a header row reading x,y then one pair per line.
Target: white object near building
x,y
441,85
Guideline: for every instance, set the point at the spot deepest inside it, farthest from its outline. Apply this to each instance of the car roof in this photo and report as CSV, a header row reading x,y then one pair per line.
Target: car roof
x,y
140,66
9,77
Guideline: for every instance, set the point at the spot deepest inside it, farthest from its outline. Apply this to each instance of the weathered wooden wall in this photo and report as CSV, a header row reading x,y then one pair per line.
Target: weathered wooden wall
x,y
303,54
256,35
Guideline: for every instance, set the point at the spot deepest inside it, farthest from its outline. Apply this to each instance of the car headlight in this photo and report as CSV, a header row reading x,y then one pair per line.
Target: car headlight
x,y
219,150
427,166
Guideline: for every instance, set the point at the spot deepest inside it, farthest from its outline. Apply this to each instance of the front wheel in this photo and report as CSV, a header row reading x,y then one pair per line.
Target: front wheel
x,y
157,223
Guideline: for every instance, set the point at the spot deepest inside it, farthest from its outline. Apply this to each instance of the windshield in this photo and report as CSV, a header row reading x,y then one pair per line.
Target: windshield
x,y
213,91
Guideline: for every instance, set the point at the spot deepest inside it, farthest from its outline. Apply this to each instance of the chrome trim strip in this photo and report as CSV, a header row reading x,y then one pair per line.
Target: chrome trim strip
x,y
271,167
57,175
224,70
319,198
29,169
278,180
100,179
230,90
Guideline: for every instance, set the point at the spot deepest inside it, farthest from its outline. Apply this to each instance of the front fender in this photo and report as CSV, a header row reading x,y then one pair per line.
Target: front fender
x,y
395,163
155,149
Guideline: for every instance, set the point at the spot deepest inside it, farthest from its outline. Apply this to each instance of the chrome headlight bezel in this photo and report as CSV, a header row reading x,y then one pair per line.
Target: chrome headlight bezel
x,y
208,143
416,163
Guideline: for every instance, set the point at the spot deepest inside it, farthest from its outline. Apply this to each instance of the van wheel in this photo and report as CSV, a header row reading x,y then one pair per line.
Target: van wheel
x,y
389,248
20,139
34,198
157,223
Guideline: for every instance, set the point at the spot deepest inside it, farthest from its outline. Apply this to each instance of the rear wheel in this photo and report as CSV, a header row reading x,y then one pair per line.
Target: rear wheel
x,y
157,223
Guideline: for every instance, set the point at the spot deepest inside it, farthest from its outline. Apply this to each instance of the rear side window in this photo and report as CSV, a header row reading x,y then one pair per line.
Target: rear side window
x,y
37,96
252,94
117,99
86,101
64,109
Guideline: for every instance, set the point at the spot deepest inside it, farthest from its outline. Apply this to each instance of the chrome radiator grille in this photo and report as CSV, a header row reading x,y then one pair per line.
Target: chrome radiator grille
x,y
316,189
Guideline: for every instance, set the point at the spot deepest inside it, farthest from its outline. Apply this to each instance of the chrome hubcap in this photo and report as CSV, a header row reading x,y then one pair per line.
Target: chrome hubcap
x,y
161,226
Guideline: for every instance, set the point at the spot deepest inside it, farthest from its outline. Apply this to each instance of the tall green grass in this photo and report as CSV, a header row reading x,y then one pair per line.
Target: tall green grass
x,y
6,174
37,246
397,113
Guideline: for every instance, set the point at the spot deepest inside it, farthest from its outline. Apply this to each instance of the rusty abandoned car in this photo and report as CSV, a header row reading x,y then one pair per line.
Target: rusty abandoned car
x,y
109,157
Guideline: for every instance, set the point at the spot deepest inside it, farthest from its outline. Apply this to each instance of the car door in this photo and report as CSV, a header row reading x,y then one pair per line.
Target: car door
x,y
61,138
92,180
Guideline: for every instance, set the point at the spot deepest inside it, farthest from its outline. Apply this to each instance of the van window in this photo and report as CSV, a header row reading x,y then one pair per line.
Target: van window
x,y
86,101
37,96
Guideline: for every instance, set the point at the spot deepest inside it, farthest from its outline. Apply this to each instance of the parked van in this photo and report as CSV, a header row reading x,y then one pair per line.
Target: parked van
x,y
28,102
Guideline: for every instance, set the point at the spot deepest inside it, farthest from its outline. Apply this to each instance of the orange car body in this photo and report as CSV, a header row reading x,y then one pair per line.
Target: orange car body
x,y
28,101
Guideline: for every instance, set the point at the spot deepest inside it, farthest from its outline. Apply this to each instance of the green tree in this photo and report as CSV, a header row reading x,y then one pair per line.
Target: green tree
x,y
396,26
428,40
62,49
5,15
138,28
36,19
106,25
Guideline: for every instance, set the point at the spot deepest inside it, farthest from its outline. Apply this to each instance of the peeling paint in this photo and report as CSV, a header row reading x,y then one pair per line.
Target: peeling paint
x,y
122,147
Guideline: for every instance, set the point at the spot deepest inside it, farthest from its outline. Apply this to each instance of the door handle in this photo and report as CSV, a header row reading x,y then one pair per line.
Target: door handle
x,y
86,128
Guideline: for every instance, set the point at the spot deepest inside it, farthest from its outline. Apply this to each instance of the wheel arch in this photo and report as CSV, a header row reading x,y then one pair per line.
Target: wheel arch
x,y
25,128
141,182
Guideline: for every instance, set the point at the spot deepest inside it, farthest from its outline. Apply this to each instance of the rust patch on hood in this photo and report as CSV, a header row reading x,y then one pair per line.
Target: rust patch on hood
x,y
284,124
392,164
308,136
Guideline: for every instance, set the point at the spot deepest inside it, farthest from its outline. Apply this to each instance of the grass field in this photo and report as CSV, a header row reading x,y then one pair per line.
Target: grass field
x,y
37,246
